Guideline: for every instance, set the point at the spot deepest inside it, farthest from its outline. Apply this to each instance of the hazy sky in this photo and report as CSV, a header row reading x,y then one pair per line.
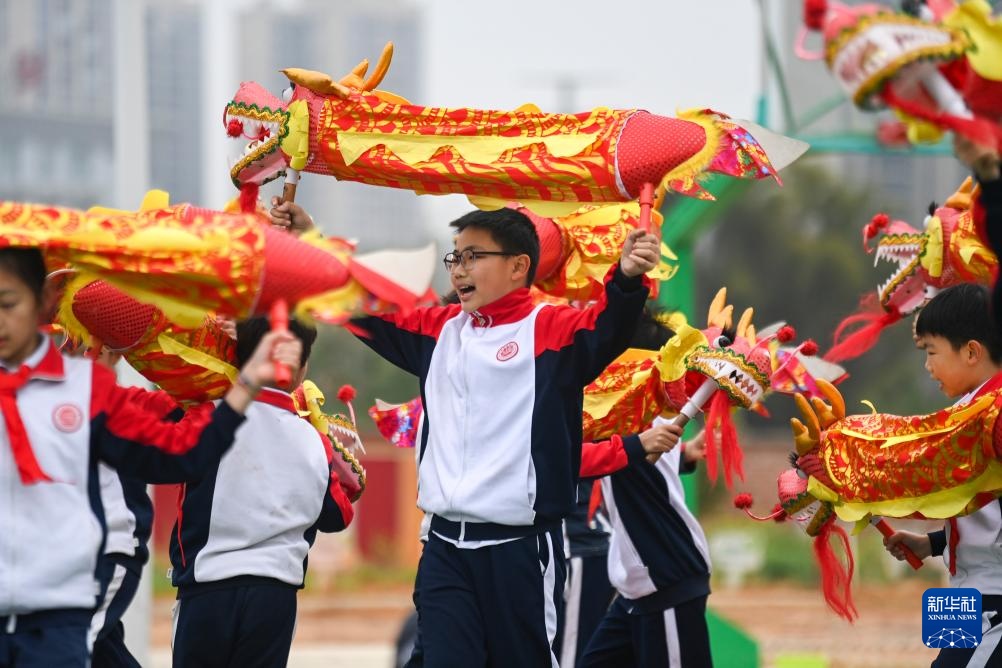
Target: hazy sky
x,y
657,55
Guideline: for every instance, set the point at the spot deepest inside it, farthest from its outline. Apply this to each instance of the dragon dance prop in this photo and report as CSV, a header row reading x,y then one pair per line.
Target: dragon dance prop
x,y
551,163
691,370
947,251
189,261
340,429
939,70
860,468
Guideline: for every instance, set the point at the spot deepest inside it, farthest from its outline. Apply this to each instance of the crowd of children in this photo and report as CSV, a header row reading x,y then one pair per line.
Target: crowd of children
x,y
519,567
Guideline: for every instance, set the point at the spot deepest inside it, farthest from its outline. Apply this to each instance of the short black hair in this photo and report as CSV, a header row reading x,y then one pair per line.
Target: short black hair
x,y
28,264
252,330
959,314
511,230
651,334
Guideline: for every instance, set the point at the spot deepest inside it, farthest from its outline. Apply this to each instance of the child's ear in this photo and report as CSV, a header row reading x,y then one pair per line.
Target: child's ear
x,y
975,351
520,268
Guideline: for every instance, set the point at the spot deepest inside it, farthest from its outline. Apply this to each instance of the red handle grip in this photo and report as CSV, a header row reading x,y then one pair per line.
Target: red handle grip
x,y
885,528
646,202
279,315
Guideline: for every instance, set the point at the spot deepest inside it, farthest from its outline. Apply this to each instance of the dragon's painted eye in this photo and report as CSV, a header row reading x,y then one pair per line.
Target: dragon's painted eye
x,y
287,93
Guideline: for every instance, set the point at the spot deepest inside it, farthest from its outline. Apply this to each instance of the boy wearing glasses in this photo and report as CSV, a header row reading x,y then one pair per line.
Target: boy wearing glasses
x,y
502,382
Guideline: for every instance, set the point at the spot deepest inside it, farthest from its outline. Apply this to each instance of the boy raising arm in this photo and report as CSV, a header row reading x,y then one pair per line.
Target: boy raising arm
x,y
502,383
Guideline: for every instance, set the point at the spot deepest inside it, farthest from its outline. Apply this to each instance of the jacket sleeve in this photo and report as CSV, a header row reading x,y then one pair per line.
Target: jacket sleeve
x,y
937,542
592,338
337,511
157,402
139,443
603,458
404,339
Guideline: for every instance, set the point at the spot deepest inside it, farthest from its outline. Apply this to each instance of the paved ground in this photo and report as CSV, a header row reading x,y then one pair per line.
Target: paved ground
x,y
359,629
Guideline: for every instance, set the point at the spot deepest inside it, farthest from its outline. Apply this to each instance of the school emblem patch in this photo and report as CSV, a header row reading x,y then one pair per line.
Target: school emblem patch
x,y
67,417
507,351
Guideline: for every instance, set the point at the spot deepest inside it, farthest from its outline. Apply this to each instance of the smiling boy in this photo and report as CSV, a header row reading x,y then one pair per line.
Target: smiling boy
x,y
963,353
502,383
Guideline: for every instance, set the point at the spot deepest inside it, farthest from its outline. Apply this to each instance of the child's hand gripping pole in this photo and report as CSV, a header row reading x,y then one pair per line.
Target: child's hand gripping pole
x,y
884,528
291,181
279,316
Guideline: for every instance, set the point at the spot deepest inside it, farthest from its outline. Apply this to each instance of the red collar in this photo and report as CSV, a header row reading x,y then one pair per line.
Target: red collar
x,y
508,309
50,367
992,384
276,398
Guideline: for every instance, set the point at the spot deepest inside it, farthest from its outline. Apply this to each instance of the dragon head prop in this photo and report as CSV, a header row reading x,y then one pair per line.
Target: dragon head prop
x,y
643,384
938,68
945,252
551,162
817,519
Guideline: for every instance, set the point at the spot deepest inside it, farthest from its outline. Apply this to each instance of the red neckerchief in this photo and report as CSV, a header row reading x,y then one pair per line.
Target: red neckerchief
x,y
507,309
277,398
992,384
49,368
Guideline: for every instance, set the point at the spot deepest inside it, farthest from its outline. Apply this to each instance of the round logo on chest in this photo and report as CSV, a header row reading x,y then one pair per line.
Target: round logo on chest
x,y
507,351
67,418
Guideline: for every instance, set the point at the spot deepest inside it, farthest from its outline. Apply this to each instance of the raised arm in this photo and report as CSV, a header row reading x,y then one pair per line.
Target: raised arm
x,y
405,340
137,441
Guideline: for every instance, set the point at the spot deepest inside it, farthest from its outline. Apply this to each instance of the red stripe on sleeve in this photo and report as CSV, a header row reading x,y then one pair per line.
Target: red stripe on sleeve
x,y
133,422
603,457
427,321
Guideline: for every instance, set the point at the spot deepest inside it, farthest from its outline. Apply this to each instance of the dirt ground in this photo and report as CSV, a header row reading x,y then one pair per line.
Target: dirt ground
x,y
787,621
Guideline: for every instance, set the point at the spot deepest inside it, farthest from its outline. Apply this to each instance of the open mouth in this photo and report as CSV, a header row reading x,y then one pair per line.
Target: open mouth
x,y
255,133
465,292
905,288
879,47
744,382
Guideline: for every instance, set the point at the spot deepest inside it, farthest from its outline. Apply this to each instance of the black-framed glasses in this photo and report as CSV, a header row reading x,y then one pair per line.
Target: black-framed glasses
x,y
467,257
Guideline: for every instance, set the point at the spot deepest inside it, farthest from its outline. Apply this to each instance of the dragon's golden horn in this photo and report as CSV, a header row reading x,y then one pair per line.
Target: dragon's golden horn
x,y
825,415
381,68
360,69
743,323
318,82
716,306
833,396
963,197
810,418
802,440
725,317
752,334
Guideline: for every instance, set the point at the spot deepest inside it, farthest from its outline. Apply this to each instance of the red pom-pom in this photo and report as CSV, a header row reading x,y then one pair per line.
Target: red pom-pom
x,y
786,334
872,229
743,500
778,514
814,13
234,128
809,348
346,393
